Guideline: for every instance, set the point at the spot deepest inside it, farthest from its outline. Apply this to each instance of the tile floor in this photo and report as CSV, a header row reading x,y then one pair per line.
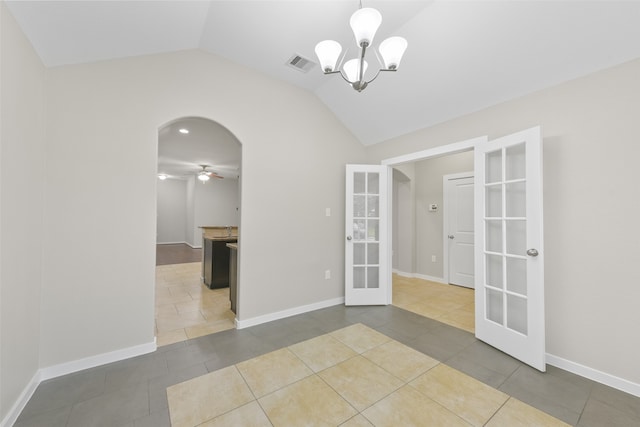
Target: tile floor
x,y
133,392
354,376
186,308
450,304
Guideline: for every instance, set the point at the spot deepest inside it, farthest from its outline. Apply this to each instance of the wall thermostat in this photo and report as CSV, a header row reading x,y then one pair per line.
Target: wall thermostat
x,y
433,207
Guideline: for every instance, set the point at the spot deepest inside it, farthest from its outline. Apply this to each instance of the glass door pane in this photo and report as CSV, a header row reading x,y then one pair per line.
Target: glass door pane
x,y
366,229
505,238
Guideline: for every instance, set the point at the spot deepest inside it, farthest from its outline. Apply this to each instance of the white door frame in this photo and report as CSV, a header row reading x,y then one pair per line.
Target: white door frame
x,y
445,220
430,153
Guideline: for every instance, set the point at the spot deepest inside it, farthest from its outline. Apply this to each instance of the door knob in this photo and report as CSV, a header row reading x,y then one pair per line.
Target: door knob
x,y
451,236
348,237
532,252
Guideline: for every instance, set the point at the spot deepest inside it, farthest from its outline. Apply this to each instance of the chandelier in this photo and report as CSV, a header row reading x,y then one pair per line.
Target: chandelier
x,y
364,23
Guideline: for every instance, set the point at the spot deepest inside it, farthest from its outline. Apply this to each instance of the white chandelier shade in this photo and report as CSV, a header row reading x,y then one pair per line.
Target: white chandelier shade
x,y
364,23
328,52
391,50
352,69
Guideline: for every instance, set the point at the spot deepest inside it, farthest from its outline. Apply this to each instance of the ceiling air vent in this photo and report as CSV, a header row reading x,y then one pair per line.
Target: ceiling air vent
x,y
300,63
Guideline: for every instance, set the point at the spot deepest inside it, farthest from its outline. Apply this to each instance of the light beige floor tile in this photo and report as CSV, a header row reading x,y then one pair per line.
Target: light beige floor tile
x,y
249,415
322,352
357,421
309,402
199,304
427,309
472,400
272,371
179,321
402,361
463,318
408,407
170,337
178,291
360,337
209,328
163,292
201,399
518,414
218,313
162,300
166,310
360,382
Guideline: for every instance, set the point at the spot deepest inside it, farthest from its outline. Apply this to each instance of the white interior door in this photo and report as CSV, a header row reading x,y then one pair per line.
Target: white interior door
x,y
459,232
509,250
366,235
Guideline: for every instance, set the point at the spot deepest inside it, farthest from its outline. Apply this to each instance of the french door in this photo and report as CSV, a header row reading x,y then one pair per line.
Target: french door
x,y
366,236
509,251
508,246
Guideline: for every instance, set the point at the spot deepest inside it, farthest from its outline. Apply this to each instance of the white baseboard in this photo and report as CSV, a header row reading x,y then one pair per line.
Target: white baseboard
x,y
97,360
594,374
241,324
22,401
68,368
403,273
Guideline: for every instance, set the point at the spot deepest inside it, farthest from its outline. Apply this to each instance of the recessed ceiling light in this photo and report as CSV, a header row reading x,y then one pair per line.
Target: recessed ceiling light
x,y
183,130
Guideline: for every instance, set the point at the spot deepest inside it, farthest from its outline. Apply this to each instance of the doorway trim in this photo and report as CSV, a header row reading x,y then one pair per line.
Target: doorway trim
x,y
430,153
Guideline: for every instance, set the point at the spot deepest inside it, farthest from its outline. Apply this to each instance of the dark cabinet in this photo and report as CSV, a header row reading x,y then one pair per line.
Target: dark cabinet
x,y
216,263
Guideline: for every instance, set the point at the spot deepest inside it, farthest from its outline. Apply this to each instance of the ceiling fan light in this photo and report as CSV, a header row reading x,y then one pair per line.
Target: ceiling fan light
x,y
328,52
391,50
162,176
352,69
203,176
364,23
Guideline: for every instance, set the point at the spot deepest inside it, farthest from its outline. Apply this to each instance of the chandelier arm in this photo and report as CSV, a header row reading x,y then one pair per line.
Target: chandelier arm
x,y
378,73
326,73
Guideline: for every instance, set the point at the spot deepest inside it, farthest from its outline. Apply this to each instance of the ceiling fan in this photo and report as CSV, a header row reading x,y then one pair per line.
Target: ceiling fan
x,y
204,175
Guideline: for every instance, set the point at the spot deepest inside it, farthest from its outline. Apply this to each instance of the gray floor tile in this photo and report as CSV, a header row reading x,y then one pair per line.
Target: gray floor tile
x,y
617,399
112,409
156,419
551,387
190,355
598,414
64,391
136,370
489,357
55,418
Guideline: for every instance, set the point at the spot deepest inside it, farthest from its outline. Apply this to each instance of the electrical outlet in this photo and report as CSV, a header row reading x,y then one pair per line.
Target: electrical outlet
x,y
327,211
327,274
433,258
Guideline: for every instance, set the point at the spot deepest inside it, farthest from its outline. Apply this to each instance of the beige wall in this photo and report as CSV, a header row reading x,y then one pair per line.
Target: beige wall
x,y
106,115
21,210
430,225
591,206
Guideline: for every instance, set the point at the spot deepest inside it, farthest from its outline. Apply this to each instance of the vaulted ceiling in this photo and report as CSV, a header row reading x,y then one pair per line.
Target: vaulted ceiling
x,y
462,56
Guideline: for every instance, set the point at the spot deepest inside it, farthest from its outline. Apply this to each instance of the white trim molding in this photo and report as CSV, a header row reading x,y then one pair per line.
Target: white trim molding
x,y
13,414
43,374
594,374
97,360
241,324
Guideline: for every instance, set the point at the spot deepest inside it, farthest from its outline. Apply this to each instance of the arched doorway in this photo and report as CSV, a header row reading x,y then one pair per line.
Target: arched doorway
x,y
189,148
